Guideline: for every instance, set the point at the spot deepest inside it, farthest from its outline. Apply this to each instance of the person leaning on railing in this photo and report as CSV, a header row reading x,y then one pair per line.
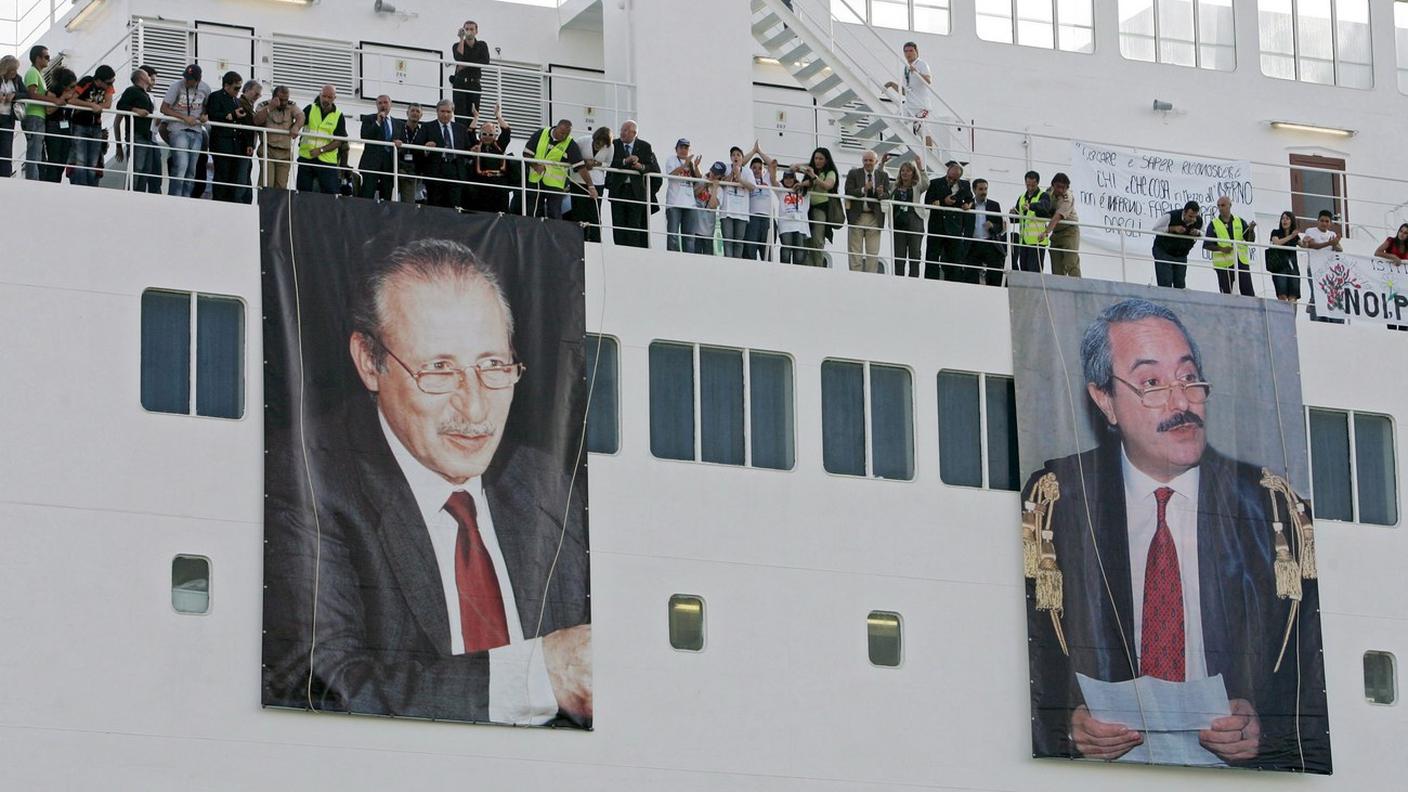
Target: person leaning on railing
x,y
1062,229
283,119
249,141
586,209
11,88
93,97
553,152
1394,248
58,126
185,105
146,155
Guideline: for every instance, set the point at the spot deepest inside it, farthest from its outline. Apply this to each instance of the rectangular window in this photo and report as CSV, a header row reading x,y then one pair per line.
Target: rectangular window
x,y
687,622
855,396
932,16
1380,682
1317,41
1067,25
1318,183
924,16
190,584
883,634
743,403
603,367
177,374
889,13
1400,41
1353,467
1196,33
978,421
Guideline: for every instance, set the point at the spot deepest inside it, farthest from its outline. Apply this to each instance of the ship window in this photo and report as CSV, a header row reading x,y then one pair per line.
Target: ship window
x,y
1319,183
847,390
1353,467
977,422
687,622
883,633
924,16
190,584
742,402
1067,25
603,368
1380,684
1317,41
1400,35
177,374
1180,32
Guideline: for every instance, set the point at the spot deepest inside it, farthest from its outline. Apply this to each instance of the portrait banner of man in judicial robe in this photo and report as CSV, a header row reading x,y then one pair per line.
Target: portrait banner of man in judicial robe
x,y
425,516
1168,538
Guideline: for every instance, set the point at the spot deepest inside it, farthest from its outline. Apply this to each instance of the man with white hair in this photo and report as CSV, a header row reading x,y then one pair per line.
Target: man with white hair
x,y
383,136
866,187
632,194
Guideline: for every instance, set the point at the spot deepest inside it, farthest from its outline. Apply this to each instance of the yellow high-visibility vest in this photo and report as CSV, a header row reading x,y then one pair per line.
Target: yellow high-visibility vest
x,y
1222,259
554,176
1031,225
318,132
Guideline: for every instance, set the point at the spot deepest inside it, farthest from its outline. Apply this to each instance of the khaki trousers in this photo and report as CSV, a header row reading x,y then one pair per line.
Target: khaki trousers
x,y
275,171
1065,251
863,243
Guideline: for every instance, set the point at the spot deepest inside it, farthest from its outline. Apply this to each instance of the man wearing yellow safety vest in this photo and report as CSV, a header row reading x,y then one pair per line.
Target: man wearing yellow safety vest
x,y
550,153
324,132
1031,252
1224,231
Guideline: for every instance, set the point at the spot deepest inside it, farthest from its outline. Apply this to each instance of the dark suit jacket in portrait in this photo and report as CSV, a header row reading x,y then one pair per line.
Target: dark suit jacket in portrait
x,y
946,220
383,634
1243,620
994,216
857,202
377,159
629,186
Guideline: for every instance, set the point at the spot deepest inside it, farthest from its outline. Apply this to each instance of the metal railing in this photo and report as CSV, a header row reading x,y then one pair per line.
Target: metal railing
x,y
517,192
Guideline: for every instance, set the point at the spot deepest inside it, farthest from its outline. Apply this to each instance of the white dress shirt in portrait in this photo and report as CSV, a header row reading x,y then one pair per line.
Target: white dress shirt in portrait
x,y
520,691
1142,516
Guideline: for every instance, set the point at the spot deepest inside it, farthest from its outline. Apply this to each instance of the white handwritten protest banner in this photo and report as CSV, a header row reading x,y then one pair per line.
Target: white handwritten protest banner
x,y
1130,189
1363,288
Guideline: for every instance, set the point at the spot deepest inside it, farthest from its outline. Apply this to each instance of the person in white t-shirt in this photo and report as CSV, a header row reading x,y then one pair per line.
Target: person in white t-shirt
x,y
679,197
735,189
1323,241
764,170
793,225
917,89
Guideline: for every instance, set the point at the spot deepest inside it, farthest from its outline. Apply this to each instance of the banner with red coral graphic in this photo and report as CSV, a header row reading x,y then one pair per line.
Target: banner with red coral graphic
x,y
1364,288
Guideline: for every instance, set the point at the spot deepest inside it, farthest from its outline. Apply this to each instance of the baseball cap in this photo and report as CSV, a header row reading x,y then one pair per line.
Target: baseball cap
x,y
681,142
193,72
718,167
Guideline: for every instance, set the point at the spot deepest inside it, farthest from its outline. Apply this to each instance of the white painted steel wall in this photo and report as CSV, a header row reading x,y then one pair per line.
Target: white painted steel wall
x,y
102,685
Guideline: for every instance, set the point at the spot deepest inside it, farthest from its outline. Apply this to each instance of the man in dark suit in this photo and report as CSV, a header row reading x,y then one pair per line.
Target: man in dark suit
x,y
384,135
632,192
1153,555
944,253
987,230
444,172
423,567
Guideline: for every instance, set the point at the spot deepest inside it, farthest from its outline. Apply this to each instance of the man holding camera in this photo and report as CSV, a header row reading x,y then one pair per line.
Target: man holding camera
x,y
466,79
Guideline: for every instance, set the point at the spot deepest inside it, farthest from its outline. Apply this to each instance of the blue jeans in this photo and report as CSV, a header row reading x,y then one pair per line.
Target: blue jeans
x,y
758,246
735,231
679,228
146,165
87,155
185,147
33,127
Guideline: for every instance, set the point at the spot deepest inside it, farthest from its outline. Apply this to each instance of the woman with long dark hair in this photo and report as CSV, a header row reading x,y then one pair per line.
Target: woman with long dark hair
x,y
1281,259
825,212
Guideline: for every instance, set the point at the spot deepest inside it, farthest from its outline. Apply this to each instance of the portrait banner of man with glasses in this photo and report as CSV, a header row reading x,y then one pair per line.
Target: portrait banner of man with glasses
x,y
425,520
1167,537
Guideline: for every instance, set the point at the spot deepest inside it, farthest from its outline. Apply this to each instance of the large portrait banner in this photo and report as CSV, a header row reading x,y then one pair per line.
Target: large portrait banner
x,y
425,514
1168,541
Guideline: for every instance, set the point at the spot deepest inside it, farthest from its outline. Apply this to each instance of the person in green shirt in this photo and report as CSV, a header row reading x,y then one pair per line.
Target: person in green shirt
x,y
34,114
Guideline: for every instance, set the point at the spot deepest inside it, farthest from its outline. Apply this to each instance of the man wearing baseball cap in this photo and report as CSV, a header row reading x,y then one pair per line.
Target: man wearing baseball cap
x,y
185,103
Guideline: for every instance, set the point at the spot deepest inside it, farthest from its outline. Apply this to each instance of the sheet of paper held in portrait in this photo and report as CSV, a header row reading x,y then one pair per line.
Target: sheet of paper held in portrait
x,y
1171,716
